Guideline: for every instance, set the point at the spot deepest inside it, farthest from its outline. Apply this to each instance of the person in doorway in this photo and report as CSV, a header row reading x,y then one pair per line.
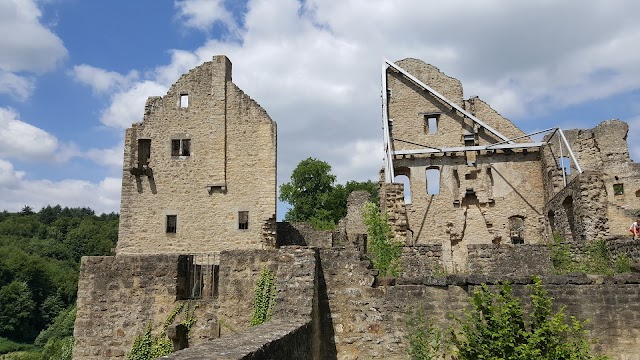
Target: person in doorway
x,y
635,229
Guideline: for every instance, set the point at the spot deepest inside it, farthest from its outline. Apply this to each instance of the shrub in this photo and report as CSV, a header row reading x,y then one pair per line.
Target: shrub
x,y
385,252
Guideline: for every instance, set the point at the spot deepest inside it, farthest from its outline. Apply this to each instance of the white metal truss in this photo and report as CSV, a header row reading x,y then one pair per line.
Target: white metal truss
x,y
507,143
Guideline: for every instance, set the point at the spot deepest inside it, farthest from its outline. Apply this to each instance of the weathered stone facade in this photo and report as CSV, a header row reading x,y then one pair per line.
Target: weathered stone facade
x,y
488,222
479,195
600,202
203,157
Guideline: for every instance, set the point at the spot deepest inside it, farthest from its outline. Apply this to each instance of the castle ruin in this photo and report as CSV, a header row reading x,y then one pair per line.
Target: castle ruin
x,y
198,225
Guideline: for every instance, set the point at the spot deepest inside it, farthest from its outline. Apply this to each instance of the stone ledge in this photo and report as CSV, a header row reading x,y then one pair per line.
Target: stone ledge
x,y
570,279
276,337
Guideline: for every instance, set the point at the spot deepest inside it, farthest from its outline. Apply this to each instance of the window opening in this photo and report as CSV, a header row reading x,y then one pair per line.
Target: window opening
x,y
404,179
431,124
181,147
565,164
471,175
172,224
618,189
184,100
190,279
516,229
433,181
638,193
144,151
243,220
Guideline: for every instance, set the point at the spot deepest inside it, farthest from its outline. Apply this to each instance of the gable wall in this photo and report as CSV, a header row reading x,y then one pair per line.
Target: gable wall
x,y
233,143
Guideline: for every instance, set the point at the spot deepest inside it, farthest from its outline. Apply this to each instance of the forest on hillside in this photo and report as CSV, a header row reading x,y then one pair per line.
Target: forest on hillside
x,y
39,263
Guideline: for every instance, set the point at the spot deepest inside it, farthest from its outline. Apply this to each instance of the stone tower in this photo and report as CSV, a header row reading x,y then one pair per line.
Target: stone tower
x,y
199,171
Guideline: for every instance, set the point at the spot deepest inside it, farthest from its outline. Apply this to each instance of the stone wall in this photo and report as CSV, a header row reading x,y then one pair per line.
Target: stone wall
x,y
119,296
578,212
277,339
422,260
459,198
506,259
370,322
603,151
230,168
303,234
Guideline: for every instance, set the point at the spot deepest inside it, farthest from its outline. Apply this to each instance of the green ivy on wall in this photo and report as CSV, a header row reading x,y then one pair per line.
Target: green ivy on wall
x,y
264,298
148,346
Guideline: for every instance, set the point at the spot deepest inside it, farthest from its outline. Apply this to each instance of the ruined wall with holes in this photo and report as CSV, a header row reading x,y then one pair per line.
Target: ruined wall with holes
x,y
605,196
119,296
227,166
483,197
368,322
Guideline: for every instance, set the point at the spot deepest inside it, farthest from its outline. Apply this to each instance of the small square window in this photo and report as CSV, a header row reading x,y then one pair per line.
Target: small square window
x,y
184,100
243,220
181,147
618,189
172,224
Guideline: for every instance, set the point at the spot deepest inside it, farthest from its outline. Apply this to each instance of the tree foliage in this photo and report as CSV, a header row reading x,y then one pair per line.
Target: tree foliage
x,y
39,263
315,197
496,327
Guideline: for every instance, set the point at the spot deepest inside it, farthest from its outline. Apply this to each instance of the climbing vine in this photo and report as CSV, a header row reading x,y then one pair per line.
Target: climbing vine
x,y
148,346
264,298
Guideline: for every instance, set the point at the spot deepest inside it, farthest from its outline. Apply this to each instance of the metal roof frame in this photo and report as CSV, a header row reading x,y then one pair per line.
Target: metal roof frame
x,y
507,143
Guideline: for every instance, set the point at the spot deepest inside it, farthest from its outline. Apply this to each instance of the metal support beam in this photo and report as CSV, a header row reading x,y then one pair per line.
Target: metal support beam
x,y
573,157
443,98
469,148
388,157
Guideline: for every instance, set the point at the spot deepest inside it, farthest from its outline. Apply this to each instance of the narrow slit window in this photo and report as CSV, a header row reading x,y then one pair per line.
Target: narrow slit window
x,y
404,179
175,147
565,165
431,123
186,147
243,220
433,181
144,151
184,100
172,224
516,229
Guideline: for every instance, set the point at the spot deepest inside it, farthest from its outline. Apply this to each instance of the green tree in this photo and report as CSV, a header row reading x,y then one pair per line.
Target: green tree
x,y
497,328
308,191
16,310
316,198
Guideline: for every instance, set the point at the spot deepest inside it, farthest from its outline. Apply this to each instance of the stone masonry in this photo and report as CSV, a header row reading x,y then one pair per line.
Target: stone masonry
x,y
200,169
484,197
198,226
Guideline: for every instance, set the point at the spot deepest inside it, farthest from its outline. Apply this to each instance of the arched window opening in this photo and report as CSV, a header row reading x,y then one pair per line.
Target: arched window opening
x,y
565,164
433,181
516,229
404,179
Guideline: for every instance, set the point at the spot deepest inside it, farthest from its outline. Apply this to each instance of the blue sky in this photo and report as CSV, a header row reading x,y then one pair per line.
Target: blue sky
x,y
74,74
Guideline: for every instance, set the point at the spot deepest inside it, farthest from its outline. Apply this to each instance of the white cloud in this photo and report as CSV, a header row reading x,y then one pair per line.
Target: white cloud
x,y
19,87
127,107
633,138
25,46
21,140
17,191
202,14
100,80
111,157
315,65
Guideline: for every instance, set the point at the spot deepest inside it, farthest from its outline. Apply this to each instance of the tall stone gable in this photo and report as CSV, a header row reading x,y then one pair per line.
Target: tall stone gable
x,y
199,171
472,197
